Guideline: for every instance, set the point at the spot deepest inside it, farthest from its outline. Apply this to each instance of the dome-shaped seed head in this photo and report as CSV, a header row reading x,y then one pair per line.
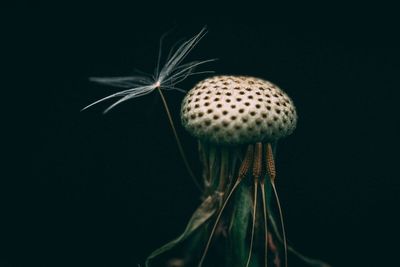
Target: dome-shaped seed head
x,y
233,110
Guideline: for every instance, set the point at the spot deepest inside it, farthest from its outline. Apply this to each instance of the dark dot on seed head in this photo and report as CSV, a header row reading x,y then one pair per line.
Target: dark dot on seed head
x,y
278,111
225,83
206,104
237,127
269,124
224,112
228,93
196,99
237,88
269,101
268,107
258,93
247,103
208,92
241,92
219,105
218,93
244,119
209,111
264,115
228,100
241,110
233,106
216,117
206,97
252,113
251,82
248,89
208,122
250,97
238,99
200,114
196,106
261,88
225,123
258,121
275,118
233,117
258,106
193,116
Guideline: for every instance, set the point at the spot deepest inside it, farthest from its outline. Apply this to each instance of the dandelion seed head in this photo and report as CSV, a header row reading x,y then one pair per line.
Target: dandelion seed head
x,y
238,110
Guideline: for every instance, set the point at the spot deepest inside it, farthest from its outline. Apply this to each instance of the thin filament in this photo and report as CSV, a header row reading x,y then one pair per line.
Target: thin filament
x,y
282,223
179,142
270,162
254,220
257,168
264,203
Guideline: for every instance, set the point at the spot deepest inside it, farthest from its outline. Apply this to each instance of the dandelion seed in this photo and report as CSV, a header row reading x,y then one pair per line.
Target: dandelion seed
x,y
165,78
171,73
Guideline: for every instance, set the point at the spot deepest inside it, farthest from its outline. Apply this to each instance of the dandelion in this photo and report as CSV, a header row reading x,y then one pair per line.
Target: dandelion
x,y
166,77
237,121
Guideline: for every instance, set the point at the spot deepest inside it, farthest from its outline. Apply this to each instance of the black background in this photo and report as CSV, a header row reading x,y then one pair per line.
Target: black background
x,y
86,189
